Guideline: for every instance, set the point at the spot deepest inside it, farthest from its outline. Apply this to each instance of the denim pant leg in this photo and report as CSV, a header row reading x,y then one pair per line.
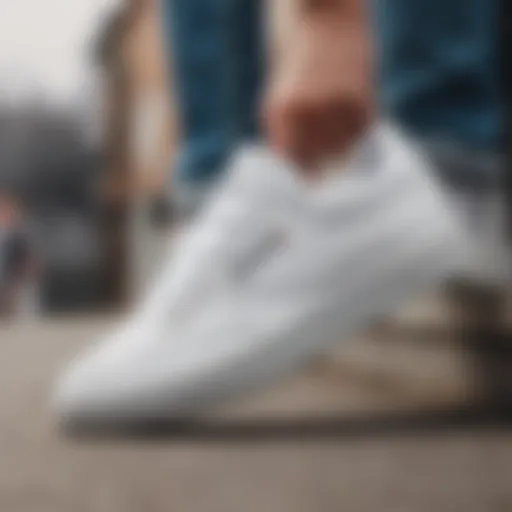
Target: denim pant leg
x,y
440,71
217,55
197,39
249,54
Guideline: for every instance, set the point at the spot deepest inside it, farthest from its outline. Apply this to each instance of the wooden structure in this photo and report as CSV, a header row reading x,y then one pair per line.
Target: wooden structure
x,y
138,126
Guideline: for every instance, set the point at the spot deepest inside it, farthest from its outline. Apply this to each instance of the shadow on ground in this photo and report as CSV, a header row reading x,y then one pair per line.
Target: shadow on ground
x,y
319,428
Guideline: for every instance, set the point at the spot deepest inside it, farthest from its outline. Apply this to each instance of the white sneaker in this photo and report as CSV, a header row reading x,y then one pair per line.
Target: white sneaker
x,y
276,272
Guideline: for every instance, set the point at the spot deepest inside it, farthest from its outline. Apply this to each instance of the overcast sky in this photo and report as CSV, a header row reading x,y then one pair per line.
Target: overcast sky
x,y
45,46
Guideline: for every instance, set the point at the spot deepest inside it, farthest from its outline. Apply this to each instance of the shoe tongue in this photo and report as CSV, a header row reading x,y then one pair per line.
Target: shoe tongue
x,y
258,170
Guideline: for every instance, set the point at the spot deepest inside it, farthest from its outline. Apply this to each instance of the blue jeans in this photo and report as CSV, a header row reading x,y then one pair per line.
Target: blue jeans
x,y
217,68
440,77
438,74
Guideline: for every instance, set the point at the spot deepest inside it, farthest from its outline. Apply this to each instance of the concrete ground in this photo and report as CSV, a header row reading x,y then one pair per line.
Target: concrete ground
x,y
300,464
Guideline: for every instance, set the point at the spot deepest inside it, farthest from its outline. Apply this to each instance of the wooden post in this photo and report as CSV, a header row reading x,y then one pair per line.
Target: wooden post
x,y
116,183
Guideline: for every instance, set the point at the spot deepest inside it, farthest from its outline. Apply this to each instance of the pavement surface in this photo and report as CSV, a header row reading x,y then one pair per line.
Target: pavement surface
x,y
332,439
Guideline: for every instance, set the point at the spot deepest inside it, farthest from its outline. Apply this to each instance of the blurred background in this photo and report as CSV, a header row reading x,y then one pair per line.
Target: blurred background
x,y
88,130
85,128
